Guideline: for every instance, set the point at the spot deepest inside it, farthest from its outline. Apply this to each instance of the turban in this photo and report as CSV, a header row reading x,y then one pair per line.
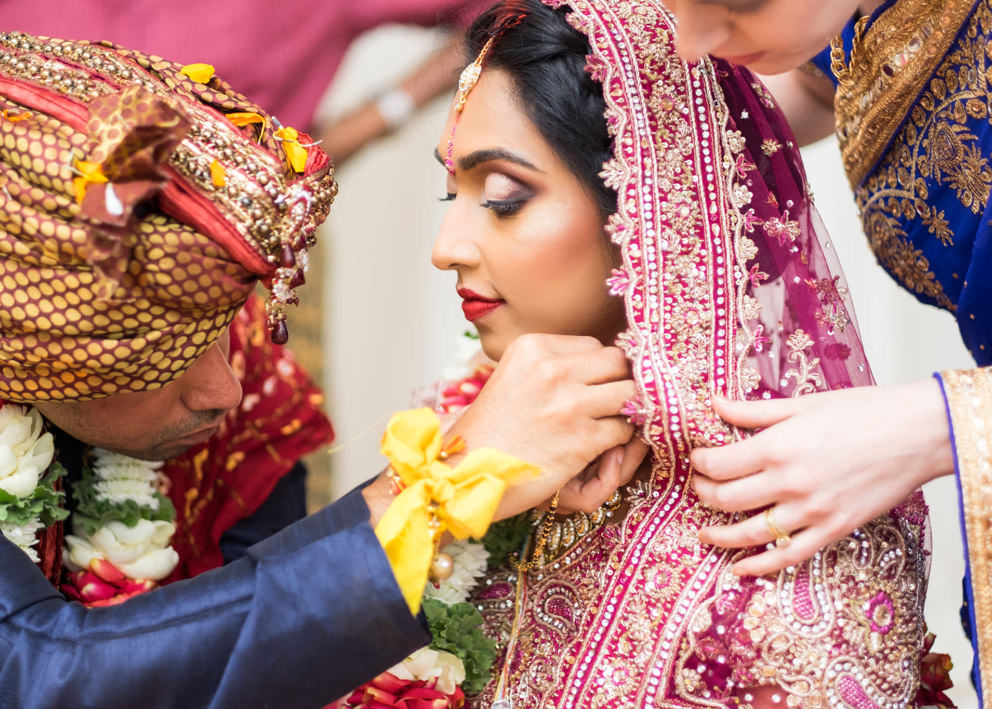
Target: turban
x,y
139,207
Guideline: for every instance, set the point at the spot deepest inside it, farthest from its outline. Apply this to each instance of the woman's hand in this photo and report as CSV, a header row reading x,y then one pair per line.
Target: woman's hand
x,y
826,463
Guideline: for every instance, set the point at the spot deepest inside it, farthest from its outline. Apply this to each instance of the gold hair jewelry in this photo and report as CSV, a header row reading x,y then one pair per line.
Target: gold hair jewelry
x,y
470,75
782,538
467,81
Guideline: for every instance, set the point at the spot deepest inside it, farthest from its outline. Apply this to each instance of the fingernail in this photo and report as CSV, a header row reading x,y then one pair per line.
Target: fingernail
x,y
618,457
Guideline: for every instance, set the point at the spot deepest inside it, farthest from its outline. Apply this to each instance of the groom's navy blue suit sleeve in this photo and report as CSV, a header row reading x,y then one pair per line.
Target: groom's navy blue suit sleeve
x,y
304,617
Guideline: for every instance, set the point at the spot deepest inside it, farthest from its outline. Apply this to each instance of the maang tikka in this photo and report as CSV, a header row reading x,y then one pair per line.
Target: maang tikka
x,y
467,81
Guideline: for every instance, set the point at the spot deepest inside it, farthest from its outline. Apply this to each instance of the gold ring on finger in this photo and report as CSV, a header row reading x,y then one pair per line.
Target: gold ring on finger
x,y
782,537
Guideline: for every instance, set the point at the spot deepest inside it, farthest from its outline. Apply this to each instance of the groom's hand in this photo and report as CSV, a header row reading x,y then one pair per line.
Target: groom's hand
x,y
554,401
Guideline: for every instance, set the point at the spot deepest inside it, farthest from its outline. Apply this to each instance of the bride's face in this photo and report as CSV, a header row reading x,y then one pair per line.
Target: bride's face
x,y
523,233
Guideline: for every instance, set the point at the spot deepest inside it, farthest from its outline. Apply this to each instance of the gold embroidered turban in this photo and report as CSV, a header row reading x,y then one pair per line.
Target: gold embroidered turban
x,y
138,208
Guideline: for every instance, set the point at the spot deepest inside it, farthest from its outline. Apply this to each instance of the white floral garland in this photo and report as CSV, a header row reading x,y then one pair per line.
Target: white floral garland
x,y
140,551
428,664
26,452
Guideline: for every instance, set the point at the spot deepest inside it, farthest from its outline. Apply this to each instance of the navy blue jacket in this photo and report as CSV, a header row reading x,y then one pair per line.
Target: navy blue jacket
x,y
301,619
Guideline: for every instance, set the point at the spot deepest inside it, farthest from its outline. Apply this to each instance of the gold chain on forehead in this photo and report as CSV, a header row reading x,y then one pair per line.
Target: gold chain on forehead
x,y
467,81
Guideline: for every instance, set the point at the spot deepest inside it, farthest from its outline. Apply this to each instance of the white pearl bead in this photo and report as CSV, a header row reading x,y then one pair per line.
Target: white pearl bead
x,y
442,567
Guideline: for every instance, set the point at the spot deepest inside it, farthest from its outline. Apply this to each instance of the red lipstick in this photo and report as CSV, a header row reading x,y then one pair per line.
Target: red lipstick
x,y
475,306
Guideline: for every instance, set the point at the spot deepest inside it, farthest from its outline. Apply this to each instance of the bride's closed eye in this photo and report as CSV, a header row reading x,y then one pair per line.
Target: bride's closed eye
x,y
503,195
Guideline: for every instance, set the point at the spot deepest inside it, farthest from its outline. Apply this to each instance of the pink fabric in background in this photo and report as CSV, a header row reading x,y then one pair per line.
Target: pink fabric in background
x,y
282,55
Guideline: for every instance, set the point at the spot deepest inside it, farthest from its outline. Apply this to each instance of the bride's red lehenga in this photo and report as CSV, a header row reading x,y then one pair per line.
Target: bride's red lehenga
x,y
730,286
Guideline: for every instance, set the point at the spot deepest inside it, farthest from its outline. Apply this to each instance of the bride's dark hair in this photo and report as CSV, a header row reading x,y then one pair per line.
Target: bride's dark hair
x,y
546,57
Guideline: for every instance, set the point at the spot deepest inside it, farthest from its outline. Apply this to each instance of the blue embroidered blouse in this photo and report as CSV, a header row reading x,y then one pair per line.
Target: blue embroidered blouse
x,y
918,155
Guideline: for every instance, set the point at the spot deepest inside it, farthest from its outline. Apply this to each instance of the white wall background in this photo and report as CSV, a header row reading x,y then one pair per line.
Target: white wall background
x,y
392,319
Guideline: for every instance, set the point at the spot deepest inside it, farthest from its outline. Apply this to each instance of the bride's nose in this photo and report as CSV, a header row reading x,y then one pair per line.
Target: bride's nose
x,y
454,246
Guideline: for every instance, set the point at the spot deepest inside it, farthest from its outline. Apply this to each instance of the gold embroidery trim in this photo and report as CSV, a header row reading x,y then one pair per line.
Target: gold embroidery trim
x,y
891,63
969,400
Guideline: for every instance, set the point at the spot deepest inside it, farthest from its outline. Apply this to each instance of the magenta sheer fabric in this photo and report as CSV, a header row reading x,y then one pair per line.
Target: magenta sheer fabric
x,y
774,308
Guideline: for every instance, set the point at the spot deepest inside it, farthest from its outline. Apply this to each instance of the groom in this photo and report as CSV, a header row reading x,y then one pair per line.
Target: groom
x,y
140,204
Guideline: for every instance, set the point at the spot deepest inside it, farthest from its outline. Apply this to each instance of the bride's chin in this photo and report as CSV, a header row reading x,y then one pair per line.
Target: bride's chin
x,y
492,347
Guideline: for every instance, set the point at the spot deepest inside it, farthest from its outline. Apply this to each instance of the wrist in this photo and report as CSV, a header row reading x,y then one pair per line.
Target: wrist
x,y
378,494
937,420
395,106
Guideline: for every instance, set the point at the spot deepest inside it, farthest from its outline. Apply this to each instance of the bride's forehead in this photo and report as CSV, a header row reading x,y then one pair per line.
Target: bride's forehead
x,y
493,115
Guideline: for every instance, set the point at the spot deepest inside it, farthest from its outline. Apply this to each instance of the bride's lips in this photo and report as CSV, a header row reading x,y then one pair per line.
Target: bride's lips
x,y
475,306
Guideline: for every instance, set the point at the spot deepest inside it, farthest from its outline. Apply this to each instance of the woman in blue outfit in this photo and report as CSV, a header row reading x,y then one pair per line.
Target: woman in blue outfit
x,y
906,86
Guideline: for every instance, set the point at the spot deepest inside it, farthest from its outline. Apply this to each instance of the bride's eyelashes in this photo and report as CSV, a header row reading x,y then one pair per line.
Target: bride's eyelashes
x,y
505,207
500,207
505,195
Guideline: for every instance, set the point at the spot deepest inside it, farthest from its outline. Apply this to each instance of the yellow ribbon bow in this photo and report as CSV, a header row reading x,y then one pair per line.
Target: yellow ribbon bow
x,y
435,497
296,154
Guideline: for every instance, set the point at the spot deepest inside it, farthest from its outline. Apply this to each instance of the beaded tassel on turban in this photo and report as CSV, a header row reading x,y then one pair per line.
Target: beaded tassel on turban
x,y
138,209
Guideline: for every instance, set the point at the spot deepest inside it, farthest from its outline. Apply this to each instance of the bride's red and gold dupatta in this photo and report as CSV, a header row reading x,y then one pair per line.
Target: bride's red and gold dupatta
x,y
730,287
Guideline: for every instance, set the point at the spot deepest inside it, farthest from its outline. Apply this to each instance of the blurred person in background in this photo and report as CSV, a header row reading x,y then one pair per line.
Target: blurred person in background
x,y
281,55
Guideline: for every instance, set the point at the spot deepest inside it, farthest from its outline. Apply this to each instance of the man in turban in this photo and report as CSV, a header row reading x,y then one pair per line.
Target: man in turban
x,y
140,204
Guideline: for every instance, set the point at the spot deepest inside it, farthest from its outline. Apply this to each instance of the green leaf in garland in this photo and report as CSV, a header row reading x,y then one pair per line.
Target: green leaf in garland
x,y
44,503
93,512
457,629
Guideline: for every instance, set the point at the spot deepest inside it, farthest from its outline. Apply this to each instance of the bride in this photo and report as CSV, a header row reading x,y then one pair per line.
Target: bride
x,y
681,227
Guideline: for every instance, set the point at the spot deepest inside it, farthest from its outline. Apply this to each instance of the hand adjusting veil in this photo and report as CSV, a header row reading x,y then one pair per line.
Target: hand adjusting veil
x,y
728,288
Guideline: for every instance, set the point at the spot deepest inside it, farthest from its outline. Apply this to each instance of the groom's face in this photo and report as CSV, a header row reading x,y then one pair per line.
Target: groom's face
x,y
160,423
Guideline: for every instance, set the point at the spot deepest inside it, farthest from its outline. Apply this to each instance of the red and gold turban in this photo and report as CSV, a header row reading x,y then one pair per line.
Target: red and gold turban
x,y
138,209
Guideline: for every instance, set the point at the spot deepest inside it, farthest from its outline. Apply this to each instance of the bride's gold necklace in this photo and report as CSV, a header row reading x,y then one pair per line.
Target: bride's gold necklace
x,y
558,533
555,538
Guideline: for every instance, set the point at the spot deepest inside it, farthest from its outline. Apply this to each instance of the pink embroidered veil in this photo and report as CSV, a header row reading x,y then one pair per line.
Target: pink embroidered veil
x,y
730,287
